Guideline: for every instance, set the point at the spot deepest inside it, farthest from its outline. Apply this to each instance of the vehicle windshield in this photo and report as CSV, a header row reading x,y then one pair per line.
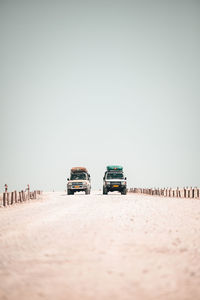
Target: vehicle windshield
x,y
78,176
115,176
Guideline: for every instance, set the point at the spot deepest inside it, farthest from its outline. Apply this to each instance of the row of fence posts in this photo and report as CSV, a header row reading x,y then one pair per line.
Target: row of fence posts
x,y
10,198
169,192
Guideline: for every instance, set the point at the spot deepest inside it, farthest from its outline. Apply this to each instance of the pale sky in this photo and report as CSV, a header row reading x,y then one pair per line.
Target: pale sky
x,y
92,83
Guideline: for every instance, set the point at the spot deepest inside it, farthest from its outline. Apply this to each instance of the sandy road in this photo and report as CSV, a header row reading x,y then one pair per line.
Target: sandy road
x,y
100,247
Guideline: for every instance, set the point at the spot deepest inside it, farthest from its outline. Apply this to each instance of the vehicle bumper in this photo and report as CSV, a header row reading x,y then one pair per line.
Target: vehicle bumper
x,y
111,188
77,189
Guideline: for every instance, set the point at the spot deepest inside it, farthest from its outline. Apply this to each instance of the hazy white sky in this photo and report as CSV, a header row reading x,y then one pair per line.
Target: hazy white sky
x,y
93,83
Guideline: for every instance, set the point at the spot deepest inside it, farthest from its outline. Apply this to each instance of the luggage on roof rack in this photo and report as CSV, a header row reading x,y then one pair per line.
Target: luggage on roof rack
x,y
79,169
114,168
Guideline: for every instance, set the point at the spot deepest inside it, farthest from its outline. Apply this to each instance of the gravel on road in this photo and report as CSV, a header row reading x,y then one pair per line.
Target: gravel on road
x,y
71,247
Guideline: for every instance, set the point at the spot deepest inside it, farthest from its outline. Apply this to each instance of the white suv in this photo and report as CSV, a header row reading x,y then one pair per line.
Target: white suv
x,y
114,180
79,181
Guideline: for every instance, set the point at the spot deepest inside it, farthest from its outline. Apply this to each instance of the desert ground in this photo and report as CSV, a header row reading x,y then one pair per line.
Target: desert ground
x,y
100,247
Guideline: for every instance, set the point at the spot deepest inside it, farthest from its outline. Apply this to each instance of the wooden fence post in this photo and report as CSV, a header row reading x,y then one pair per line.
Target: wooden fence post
x,y
4,199
6,188
12,198
23,198
28,188
15,196
8,198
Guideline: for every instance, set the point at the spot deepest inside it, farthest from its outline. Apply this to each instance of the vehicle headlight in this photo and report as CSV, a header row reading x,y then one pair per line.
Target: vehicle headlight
x,y
107,182
123,182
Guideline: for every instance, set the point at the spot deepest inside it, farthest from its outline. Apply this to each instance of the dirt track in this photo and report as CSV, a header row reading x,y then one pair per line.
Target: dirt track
x,y
100,247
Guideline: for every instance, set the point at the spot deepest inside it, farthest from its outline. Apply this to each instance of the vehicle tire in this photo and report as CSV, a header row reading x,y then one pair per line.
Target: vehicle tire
x,y
105,191
123,192
87,191
69,192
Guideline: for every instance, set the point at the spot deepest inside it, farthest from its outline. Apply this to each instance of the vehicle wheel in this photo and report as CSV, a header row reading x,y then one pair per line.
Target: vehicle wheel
x,y
105,191
68,192
87,191
123,192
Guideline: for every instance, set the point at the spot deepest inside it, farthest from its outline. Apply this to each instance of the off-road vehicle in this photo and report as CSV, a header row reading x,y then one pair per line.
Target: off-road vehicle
x,y
114,180
79,181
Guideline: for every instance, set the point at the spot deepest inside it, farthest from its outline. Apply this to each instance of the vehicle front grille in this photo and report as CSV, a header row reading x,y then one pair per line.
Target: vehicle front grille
x,y
78,185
